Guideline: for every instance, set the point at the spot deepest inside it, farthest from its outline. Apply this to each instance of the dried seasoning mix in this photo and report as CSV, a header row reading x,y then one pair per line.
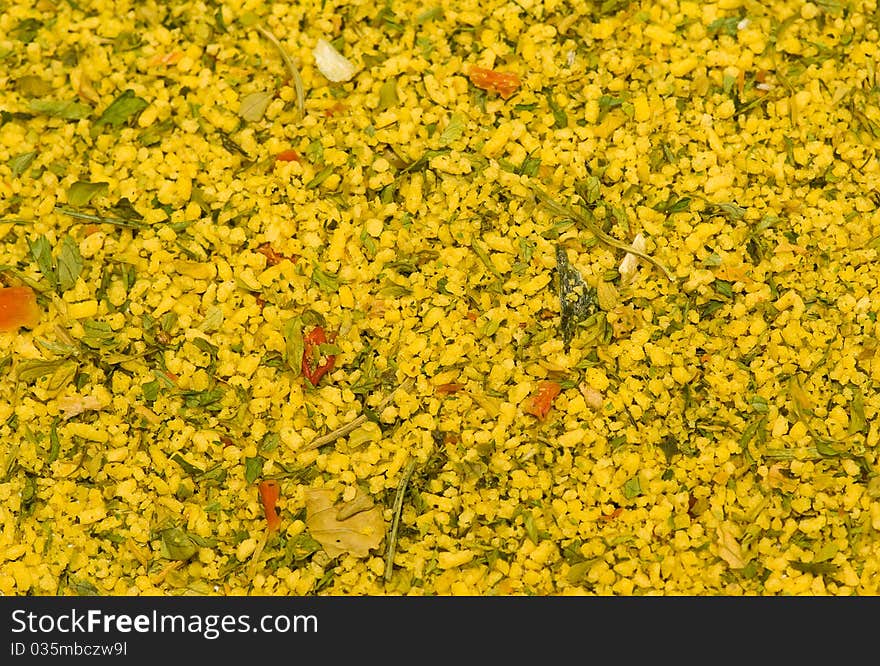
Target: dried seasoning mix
x,y
512,297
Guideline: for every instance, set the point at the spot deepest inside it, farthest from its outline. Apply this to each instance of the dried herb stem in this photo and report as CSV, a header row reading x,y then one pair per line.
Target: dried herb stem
x,y
128,224
291,67
342,431
397,510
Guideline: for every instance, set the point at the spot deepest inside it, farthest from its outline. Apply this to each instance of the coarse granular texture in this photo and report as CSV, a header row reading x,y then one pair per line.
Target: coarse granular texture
x,y
224,281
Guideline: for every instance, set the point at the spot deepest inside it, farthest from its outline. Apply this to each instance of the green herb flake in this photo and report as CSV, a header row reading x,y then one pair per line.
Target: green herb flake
x,y
632,488
187,467
388,95
252,106
21,163
26,30
857,420
154,133
320,177
33,369
83,588
70,264
560,119
453,130
82,192
530,527
328,282
294,344
54,443
41,251
724,26
578,300
150,391
759,404
176,544
121,110
64,109
429,15
253,468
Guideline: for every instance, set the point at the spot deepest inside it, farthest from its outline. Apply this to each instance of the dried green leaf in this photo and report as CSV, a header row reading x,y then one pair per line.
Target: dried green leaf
x,y
388,95
33,369
294,345
154,133
82,192
66,110
150,390
54,443
41,251
253,468
328,282
21,163
356,534
578,300
530,526
125,107
70,264
632,488
176,544
61,378
453,130
857,420
26,30
252,107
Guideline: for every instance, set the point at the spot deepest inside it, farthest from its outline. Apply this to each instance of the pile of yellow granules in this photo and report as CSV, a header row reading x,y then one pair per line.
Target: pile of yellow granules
x,y
186,228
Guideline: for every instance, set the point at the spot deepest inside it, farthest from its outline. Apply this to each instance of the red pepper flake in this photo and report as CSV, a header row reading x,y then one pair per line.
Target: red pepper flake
x,y
446,389
611,516
272,257
312,367
542,399
335,110
288,155
503,83
18,308
171,376
270,491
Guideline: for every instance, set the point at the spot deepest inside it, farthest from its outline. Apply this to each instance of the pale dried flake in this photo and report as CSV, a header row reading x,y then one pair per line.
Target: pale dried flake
x,y
593,398
331,63
569,58
74,405
742,25
607,295
354,527
630,262
729,549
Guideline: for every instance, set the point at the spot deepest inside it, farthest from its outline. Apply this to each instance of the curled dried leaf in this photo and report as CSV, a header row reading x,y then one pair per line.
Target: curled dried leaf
x,y
356,533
